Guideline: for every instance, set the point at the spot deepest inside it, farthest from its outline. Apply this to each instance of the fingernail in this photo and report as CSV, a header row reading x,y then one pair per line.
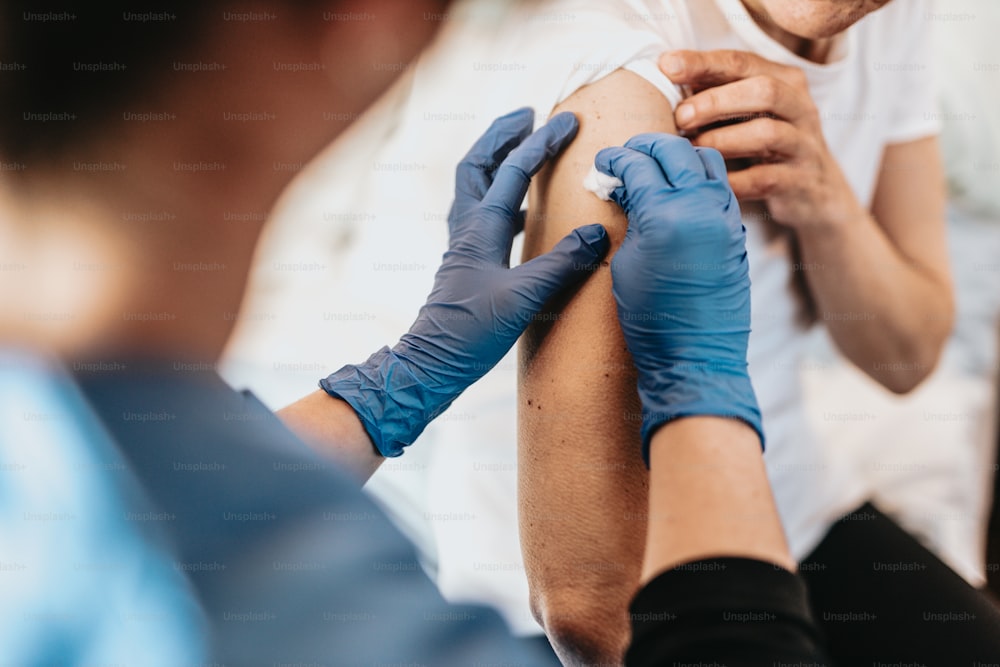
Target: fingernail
x,y
672,65
684,114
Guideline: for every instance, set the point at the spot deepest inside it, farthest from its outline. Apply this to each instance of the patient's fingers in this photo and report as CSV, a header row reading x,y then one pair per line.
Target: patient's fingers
x,y
705,69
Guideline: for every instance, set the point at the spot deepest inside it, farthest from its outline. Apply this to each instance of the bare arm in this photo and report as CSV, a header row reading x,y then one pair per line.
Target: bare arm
x,y
879,278
332,427
475,313
709,497
682,287
582,485
715,542
884,287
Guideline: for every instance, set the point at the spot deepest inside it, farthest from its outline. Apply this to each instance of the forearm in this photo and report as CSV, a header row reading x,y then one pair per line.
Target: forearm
x,y
880,280
709,496
582,484
331,426
888,315
711,514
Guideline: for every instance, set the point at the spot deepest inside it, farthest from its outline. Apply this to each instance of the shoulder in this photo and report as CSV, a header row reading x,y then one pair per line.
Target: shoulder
x,y
621,101
570,44
611,110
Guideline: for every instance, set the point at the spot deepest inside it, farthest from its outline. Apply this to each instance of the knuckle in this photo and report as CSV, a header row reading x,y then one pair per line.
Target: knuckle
x,y
465,167
770,90
797,78
693,62
705,141
812,116
498,212
769,132
769,156
482,164
766,182
514,167
708,104
739,61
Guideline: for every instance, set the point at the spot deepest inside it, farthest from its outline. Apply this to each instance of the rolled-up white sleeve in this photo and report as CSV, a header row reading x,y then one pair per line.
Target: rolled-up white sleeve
x,y
915,113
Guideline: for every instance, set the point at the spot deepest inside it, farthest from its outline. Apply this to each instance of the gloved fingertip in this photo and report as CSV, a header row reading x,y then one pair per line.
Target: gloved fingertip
x,y
523,119
604,160
566,116
565,123
596,238
523,112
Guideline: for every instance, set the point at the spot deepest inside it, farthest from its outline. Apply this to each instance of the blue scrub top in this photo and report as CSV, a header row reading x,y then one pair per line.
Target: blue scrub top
x,y
82,580
290,562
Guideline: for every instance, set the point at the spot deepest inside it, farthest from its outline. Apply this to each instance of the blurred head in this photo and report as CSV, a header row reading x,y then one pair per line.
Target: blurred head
x,y
136,138
812,19
71,76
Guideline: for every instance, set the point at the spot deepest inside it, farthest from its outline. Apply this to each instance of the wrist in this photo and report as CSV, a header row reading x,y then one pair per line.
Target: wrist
x,y
430,359
838,213
393,404
710,473
691,389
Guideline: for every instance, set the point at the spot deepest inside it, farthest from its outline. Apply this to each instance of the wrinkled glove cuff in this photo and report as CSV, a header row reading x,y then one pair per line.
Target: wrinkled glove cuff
x,y
392,404
691,390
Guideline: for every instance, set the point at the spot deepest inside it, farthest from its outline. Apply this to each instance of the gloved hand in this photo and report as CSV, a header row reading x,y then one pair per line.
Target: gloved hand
x,y
479,306
681,281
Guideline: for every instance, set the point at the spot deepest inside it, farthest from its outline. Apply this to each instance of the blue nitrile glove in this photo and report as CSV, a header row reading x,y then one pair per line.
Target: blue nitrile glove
x,y
479,306
681,281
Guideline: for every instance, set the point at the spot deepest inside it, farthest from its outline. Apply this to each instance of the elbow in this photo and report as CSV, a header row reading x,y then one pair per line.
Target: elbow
x,y
903,382
907,371
917,360
581,629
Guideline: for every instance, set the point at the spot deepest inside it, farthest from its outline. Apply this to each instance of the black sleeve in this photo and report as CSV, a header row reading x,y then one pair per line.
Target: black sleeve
x,y
724,611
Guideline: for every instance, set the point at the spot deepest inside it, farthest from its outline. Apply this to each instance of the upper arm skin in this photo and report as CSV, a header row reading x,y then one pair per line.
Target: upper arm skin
x,y
582,483
909,206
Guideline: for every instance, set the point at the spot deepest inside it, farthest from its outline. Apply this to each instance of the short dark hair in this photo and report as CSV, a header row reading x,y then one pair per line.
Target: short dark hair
x,y
66,74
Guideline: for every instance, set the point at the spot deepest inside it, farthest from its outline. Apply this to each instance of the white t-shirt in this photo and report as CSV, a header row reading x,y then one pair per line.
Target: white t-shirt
x,y
929,457
374,239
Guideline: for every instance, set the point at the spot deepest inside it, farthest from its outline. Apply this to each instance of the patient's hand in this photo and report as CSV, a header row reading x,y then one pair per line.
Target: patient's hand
x,y
793,169
908,302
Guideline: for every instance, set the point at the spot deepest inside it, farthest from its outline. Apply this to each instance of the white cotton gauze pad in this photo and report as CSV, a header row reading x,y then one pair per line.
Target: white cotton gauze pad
x,y
600,184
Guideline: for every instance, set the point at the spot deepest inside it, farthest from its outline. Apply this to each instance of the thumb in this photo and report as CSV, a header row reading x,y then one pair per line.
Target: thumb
x,y
640,175
573,258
